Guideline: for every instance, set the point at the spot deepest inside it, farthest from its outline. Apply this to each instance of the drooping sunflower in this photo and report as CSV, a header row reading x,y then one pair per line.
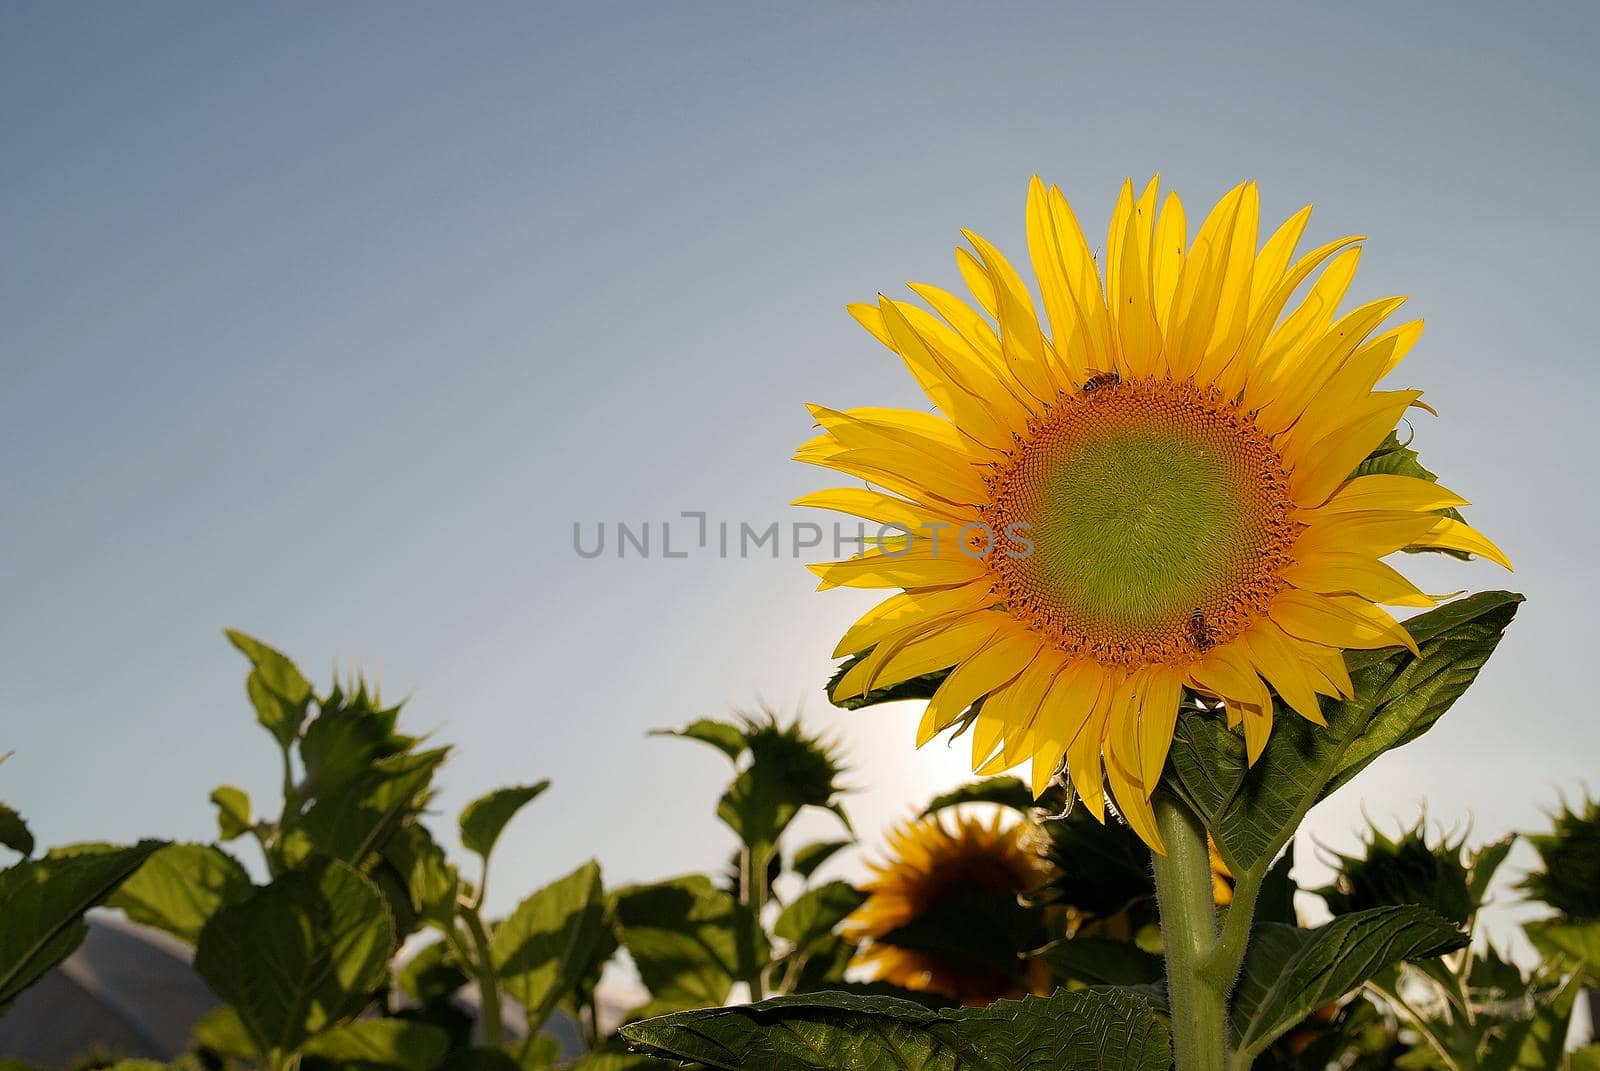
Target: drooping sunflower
x,y
950,895
1154,489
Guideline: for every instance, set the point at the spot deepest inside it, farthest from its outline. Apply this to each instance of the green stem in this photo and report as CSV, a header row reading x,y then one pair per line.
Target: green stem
x,y
754,894
1189,934
1221,967
1421,1024
482,967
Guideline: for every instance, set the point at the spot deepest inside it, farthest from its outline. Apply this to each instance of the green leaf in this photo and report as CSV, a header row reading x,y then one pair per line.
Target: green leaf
x,y
223,1033
1005,791
430,881
1574,942
44,904
1584,1059
758,809
541,951
688,939
1482,865
432,974
277,689
921,687
396,1043
813,915
355,821
485,818
233,811
180,887
301,954
1252,812
623,1061
1101,961
482,1059
1456,640
726,737
14,832
536,1052
811,856
1289,973
1536,1042
1106,1029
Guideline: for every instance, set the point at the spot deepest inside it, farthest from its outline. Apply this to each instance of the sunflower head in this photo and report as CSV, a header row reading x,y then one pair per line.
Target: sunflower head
x,y
1165,484
1405,869
945,914
1569,876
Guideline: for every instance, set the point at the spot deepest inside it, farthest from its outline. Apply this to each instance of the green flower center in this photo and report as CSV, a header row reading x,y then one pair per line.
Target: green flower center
x,y
1157,516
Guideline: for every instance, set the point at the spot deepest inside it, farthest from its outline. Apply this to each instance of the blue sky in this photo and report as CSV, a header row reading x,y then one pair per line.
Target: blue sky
x,y
328,323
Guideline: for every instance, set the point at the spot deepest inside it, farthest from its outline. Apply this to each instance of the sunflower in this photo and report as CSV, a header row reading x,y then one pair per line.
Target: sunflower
x,y
1153,490
951,894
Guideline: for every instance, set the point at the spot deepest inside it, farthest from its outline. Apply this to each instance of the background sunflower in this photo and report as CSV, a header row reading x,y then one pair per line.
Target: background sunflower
x,y
945,911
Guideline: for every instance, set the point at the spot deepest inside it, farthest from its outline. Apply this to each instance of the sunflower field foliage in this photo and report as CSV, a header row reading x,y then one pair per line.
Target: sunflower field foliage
x,y
990,929
1138,555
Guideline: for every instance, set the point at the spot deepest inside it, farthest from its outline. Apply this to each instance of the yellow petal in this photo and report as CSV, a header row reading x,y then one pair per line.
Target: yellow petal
x,y
1202,305
1083,751
1122,732
1158,716
1134,806
1306,372
1233,300
1398,343
1328,664
889,664
1382,491
1270,347
1166,260
1227,674
1065,716
1273,260
1376,533
909,609
974,373
1128,281
890,437
1452,534
1355,574
1257,730
1332,458
1021,341
1275,660
1015,706
941,382
910,568
996,663
987,732
1348,623
1069,282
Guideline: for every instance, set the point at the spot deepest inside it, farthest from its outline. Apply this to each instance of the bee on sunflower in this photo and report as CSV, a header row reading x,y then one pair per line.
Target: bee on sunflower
x,y
1154,490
